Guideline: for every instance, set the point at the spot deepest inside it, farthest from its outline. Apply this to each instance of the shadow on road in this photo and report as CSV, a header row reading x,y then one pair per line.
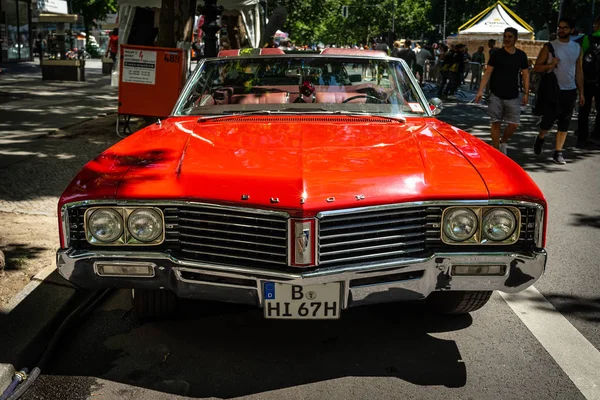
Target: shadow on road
x,y
213,349
587,220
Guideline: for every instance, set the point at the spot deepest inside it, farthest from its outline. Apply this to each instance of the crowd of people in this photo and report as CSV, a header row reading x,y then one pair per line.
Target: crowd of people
x,y
568,74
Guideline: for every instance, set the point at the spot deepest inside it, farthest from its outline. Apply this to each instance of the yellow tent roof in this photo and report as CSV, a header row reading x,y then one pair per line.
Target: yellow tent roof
x,y
485,12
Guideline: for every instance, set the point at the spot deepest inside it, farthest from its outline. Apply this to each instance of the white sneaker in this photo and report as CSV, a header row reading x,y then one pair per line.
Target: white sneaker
x,y
503,147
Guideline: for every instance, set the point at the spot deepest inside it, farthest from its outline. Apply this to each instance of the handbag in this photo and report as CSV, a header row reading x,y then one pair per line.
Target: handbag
x,y
546,95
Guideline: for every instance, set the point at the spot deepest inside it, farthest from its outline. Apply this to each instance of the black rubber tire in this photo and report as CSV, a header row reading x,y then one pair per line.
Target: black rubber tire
x,y
150,304
457,302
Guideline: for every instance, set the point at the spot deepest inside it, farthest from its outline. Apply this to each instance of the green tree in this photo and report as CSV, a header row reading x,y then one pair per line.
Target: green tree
x,y
92,10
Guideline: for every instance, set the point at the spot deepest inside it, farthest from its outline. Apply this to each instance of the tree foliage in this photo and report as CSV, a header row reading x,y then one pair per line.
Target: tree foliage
x,y
92,10
311,21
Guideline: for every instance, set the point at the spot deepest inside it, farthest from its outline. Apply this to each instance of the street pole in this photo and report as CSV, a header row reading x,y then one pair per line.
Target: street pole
x,y
560,11
394,22
444,31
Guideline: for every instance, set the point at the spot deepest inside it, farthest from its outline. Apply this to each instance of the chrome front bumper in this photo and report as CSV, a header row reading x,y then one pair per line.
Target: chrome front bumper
x,y
365,284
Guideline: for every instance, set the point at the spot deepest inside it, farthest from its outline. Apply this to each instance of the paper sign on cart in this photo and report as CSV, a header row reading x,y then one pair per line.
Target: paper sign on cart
x,y
139,66
416,107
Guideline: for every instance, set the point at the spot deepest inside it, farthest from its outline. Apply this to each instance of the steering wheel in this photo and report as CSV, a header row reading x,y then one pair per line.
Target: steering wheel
x,y
364,96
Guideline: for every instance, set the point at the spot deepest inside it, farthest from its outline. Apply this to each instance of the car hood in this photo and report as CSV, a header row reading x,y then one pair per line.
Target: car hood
x,y
298,163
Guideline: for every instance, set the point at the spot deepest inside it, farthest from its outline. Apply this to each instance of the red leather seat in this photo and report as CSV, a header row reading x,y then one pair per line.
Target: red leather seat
x,y
263,98
338,97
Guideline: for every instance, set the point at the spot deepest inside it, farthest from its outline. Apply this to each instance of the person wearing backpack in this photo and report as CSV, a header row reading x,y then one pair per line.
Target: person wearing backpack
x,y
590,45
567,66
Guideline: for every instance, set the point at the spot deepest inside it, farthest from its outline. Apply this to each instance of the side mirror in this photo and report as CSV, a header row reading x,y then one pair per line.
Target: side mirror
x,y
435,105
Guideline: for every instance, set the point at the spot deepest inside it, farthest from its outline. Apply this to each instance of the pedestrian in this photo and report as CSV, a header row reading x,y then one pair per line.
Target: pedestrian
x,y
383,46
590,46
456,69
407,54
503,71
421,57
397,44
113,46
447,65
478,61
567,66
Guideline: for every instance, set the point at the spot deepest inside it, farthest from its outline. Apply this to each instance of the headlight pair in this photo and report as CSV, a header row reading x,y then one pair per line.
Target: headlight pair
x,y
117,226
480,225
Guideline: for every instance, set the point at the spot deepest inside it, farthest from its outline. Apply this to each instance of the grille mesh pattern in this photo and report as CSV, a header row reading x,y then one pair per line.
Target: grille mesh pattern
x,y
225,236
377,235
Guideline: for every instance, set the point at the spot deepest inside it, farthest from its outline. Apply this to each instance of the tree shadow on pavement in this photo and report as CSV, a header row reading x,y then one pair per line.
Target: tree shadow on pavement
x,y
587,220
225,351
17,255
587,309
473,118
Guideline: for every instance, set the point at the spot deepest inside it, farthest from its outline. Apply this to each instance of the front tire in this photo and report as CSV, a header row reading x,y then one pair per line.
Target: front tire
x,y
457,302
150,304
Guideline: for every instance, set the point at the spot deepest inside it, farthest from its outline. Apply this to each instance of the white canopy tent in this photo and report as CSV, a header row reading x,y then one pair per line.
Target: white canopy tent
x,y
493,21
249,10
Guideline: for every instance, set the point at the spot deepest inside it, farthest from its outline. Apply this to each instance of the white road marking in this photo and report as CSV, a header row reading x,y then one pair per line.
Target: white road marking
x,y
570,349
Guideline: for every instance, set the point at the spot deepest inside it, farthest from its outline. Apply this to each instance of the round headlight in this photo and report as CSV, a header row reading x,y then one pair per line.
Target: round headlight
x,y
499,224
105,225
145,225
460,224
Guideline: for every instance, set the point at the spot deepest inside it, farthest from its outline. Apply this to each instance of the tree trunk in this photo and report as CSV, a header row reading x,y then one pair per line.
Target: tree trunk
x,y
176,22
166,32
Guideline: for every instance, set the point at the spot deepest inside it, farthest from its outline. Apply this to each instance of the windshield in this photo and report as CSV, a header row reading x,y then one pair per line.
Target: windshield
x,y
303,84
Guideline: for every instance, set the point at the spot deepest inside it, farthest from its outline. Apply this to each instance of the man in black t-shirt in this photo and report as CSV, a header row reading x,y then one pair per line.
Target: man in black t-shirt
x,y
503,70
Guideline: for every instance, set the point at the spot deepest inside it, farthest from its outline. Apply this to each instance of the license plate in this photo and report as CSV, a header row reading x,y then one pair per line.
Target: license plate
x,y
285,301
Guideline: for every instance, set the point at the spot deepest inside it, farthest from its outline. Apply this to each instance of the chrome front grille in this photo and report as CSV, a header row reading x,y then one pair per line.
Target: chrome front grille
x,y
229,236
255,238
374,235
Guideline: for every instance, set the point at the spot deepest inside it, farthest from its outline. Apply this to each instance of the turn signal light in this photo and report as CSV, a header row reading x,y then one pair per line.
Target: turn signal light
x,y
125,269
474,270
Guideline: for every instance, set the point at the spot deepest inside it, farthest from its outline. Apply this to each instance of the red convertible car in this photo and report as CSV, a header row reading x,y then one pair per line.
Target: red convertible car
x,y
303,184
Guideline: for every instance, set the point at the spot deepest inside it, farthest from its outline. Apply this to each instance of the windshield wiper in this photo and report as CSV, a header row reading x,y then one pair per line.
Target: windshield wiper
x,y
362,113
227,114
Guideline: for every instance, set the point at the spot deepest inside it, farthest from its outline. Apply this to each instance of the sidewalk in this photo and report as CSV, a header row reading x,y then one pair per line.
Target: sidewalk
x,y
31,107
38,159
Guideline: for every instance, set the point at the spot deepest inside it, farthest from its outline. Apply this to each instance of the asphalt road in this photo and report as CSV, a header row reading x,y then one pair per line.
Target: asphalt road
x,y
387,351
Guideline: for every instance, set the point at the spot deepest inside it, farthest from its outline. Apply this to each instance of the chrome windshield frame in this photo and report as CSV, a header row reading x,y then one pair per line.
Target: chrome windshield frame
x,y
192,78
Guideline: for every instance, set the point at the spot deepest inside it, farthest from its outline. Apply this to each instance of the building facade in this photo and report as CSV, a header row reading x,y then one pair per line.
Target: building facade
x,y
16,42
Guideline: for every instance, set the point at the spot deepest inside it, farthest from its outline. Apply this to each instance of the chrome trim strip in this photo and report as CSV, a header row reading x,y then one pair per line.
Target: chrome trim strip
x,y
539,226
231,256
195,228
362,233
201,282
375,239
324,214
429,203
230,224
367,256
134,203
228,216
218,238
373,223
367,248
66,230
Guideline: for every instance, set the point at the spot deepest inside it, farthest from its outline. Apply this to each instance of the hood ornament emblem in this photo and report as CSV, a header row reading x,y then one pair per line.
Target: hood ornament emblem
x,y
360,197
274,200
330,199
245,197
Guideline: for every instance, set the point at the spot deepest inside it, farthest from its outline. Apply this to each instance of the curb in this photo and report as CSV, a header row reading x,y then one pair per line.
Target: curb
x,y
31,316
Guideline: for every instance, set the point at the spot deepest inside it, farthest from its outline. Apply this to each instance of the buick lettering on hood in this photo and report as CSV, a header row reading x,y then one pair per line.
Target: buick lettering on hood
x,y
303,184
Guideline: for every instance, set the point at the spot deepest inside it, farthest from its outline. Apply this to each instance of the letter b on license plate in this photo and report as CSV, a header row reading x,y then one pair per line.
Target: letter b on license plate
x,y
285,301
